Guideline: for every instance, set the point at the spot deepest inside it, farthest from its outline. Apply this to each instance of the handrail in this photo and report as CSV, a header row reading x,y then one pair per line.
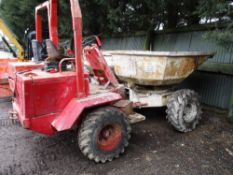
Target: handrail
x,y
60,63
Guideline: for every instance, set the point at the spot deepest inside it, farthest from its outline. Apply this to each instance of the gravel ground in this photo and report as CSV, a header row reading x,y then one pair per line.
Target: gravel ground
x,y
155,148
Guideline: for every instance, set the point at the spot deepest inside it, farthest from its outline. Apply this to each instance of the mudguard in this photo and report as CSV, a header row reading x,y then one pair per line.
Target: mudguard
x,y
72,112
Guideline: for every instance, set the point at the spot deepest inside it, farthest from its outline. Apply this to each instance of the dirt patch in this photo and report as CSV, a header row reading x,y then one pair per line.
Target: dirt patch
x,y
155,148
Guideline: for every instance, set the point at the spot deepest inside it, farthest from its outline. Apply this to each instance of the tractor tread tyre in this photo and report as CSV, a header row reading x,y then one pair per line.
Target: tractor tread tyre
x,y
90,128
177,105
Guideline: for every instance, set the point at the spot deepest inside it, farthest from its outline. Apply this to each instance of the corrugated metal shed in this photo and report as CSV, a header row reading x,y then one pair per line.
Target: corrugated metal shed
x,y
192,41
214,89
126,43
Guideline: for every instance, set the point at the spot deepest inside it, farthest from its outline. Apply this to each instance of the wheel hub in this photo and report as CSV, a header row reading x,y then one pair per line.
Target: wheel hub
x,y
190,113
109,137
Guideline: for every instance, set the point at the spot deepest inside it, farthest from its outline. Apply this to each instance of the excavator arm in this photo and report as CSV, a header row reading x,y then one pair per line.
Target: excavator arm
x,y
7,32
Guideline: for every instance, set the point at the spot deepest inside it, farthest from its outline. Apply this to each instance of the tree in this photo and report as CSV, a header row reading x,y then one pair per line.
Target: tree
x,y
220,12
188,12
19,15
122,16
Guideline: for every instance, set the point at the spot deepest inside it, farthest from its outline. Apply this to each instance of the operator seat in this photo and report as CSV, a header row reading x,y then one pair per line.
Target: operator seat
x,y
53,53
54,56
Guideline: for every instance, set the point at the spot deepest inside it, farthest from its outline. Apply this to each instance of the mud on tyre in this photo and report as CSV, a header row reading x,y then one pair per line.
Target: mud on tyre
x,y
184,110
104,134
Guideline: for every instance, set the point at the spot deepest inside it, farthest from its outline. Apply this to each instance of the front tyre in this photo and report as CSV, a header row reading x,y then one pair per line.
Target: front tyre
x,y
104,134
184,110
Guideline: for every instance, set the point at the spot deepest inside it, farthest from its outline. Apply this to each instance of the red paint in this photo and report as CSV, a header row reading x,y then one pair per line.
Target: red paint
x,y
42,124
74,109
109,137
14,68
99,66
4,86
45,93
48,102
5,91
51,7
99,43
77,28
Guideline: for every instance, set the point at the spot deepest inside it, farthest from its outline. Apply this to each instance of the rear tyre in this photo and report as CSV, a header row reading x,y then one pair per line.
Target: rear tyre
x,y
184,110
104,134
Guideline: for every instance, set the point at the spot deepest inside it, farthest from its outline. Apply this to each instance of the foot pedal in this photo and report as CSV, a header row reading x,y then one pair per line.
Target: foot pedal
x,y
136,118
13,117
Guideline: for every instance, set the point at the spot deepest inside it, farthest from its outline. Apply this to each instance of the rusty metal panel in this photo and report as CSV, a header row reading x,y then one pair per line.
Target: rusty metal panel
x,y
127,43
156,68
